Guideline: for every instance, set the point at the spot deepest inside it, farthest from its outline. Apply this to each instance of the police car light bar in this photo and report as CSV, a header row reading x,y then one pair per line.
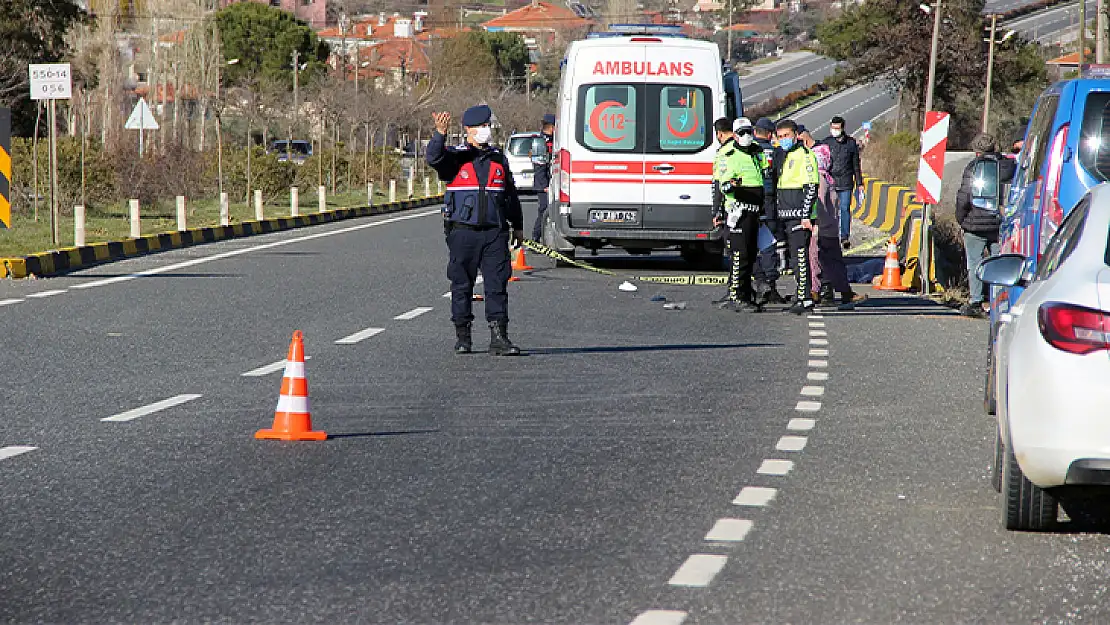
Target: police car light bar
x,y
671,30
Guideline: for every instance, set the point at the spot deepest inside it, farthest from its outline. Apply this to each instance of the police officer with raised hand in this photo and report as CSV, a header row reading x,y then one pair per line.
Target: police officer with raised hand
x,y
480,207
738,172
796,183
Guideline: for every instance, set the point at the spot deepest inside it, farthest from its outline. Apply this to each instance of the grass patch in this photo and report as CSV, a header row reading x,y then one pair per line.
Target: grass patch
x,y
27,236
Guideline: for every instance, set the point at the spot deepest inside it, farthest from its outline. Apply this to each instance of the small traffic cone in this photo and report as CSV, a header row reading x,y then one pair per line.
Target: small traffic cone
x,y
292,421
892,272
519,263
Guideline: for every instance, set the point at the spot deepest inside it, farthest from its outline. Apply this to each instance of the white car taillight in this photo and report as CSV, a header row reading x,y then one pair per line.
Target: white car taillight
x,y
1074,329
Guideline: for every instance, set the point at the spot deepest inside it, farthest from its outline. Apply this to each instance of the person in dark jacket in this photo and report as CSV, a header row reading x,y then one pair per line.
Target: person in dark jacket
x,y
846,172
481,205
542,180
771,258
980,223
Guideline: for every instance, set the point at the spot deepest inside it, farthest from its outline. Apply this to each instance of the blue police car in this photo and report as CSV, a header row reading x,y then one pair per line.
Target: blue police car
x,y
1066,152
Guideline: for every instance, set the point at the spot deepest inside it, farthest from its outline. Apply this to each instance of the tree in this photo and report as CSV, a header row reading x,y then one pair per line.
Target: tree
x,y
31,31
264,39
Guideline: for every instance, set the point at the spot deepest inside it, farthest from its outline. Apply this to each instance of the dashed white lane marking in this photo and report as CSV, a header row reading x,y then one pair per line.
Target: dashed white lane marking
x,y
801,425
817,376
816,317
818,333
12,451
152,408
820,353
819,342
698,570
360,336
816,324
447,295
808,406
791,443
818,364
729,530
659,617
755,496
775,467
8,302
254,248
413,314
42,294
268,369
813,391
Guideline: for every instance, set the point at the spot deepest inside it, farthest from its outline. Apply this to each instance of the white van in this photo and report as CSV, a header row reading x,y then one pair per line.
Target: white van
x,y
634,145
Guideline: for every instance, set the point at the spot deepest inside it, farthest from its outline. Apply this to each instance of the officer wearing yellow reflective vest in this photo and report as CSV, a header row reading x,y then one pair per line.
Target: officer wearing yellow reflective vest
x,y
738,175
795,185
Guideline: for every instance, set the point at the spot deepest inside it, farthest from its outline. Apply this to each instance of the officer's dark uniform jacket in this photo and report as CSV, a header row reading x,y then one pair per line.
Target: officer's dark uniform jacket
x,y
480,192
542,178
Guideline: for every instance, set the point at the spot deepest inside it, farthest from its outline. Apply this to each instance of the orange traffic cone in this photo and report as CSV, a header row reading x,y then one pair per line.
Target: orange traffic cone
x,y
892,272
292,421
519,263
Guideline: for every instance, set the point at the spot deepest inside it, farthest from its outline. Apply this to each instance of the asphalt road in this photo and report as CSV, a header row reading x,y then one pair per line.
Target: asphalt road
x,y
1058,24
637,463
781,78
857,105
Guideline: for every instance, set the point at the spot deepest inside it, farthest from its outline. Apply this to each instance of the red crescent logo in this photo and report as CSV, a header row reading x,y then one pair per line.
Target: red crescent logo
x,y
595,122
682,135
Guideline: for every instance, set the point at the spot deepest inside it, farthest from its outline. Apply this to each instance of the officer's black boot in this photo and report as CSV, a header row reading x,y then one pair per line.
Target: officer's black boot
x,y
463,344
499,343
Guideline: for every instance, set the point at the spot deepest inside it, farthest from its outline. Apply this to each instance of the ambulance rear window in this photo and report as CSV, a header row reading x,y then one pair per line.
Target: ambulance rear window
x,y
682,119
608,116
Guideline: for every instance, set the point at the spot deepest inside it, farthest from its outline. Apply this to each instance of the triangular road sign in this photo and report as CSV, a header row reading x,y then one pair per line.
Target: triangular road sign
x,y
142,118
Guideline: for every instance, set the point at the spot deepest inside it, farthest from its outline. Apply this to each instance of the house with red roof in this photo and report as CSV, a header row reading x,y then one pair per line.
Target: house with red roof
x,y
538,19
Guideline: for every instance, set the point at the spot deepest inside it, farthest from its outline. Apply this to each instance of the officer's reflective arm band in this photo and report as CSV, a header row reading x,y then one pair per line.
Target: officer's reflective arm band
x,y
809,201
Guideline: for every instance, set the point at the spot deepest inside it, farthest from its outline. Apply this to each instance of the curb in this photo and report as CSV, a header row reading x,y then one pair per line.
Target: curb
x,y
69,259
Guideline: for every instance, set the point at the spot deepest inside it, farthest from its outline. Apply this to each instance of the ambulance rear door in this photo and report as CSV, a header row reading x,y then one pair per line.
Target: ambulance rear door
x,y
607,181
679,108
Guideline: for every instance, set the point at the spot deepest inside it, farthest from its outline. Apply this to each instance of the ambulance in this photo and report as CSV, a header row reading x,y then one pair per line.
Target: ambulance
x,y
633,153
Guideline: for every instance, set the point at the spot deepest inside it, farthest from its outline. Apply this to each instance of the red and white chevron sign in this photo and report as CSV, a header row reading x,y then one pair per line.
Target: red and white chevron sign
x,y
934,142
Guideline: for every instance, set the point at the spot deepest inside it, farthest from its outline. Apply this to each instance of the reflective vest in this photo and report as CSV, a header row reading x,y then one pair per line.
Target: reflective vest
x,y
477,195
799,168
732,163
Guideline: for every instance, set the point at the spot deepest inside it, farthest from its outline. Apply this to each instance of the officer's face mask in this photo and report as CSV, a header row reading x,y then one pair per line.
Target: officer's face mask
x,y
482,134
836,132
786,143
744,138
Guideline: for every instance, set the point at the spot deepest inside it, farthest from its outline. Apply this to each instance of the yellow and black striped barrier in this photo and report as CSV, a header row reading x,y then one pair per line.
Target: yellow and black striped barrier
x,y
5,168
69,259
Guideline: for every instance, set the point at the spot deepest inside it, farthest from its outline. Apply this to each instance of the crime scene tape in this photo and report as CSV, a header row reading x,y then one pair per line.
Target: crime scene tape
x,y
694,280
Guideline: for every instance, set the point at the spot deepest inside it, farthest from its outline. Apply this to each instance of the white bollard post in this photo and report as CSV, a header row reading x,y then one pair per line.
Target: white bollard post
x,y
392,191
259,214
136,230
322,199
182,217
294,201
369,193
410,184
225,210
427,186
78,225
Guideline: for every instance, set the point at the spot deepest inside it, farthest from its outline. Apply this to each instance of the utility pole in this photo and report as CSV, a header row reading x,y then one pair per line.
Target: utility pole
x,y
1101,24
728,58
1082,33
990,74
933,57
296,105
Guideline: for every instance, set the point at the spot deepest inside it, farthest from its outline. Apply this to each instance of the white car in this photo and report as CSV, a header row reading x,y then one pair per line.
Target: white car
x,y
526,151
1052,369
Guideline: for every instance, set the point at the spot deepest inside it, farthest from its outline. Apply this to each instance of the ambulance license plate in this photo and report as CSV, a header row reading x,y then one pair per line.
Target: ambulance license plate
x,y
614,217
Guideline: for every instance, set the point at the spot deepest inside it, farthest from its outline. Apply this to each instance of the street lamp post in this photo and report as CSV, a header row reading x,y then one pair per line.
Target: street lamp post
x,y
990,68
932,54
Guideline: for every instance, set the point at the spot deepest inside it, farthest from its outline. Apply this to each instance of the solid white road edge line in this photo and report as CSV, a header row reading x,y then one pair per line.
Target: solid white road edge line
x,y
42,294
152,408
8,302
255,248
